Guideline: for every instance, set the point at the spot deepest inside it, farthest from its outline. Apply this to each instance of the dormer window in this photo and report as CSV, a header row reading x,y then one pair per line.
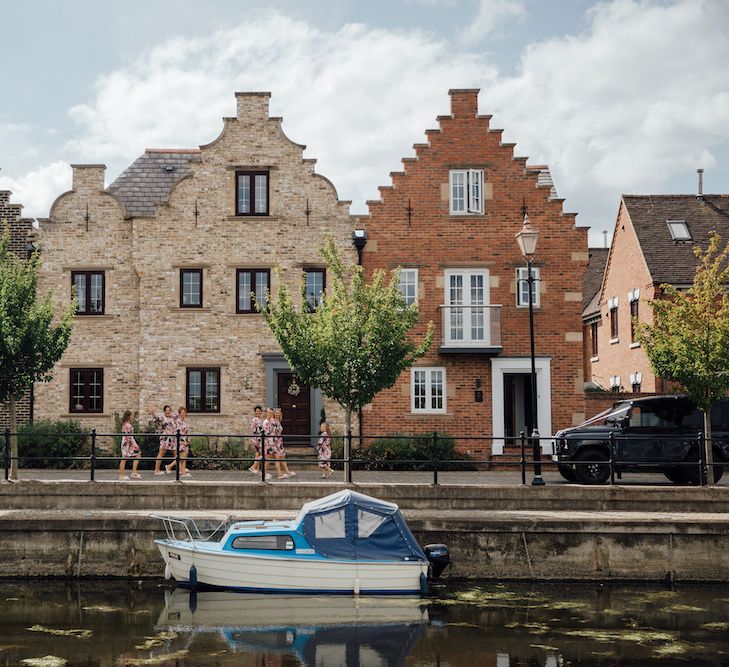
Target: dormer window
x,y
679,230
466,191
251,193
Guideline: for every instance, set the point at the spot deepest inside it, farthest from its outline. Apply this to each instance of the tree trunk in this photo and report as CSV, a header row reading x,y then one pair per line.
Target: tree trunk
x,y
709,456
13,439
347,442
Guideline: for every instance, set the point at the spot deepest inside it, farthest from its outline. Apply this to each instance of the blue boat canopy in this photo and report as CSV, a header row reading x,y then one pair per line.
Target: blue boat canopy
x,y
348,524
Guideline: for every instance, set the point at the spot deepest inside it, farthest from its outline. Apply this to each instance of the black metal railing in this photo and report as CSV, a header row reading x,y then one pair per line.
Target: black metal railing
x,y
357,454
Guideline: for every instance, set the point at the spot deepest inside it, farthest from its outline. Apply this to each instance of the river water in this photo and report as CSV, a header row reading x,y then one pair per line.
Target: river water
x,y
150,623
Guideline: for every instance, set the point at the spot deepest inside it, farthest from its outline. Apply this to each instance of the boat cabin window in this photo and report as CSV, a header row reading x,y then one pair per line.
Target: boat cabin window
x,y
368,522
266,542
329,525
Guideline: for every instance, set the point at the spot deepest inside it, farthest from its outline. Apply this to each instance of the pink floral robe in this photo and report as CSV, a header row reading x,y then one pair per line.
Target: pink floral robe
x,y
169,431
269,428
129,447
278,441
324,450
256,430
184,429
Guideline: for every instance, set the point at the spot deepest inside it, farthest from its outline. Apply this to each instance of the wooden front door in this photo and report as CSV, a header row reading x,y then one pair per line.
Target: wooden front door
x,y
296,410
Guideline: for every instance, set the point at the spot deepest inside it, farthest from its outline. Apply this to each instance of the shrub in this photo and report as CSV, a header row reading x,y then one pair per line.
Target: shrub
x,y
209,452
403,452
52,438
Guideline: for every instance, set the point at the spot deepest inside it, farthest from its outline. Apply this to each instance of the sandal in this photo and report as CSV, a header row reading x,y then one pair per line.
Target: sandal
x,y
136,475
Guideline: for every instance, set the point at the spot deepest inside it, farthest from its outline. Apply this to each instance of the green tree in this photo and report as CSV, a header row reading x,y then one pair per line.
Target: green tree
x,y
356,342
688,341
30,343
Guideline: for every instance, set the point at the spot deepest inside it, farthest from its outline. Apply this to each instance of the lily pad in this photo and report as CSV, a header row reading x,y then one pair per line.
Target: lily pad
x,y
75,632
675,608
543,647
675,649
103,608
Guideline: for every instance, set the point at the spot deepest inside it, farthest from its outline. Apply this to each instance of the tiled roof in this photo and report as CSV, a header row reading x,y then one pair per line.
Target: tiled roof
x,y
592,280
672,261
149,179
545,178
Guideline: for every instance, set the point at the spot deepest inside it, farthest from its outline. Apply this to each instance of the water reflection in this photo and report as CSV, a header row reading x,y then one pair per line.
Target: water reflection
x,y
120,624
316,631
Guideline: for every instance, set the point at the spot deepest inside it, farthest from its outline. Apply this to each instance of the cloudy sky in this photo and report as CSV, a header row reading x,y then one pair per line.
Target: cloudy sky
x,y
620,96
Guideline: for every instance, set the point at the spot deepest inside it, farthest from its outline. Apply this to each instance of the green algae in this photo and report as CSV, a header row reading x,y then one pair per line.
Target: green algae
x,y
676,649
544,647
677,608
639,636
156,640
104,608
155,660
56,632
715,627
45,661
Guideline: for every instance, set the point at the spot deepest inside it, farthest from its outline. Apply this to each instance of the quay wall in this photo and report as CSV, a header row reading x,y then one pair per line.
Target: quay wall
x,y
634,534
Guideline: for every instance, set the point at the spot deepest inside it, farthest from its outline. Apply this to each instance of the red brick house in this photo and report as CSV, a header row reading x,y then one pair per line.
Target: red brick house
x,y
592,325
448,221
653,244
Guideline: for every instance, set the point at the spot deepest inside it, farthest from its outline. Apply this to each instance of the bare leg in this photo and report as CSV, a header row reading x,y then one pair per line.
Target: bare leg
x,y
158,462
183,462
135,465
122,465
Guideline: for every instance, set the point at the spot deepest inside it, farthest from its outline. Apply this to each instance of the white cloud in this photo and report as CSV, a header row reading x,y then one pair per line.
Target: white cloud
x,y
493,14
37,189
641,95
358,97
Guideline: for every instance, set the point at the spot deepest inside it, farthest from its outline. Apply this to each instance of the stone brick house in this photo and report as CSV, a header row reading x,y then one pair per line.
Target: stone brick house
x,y
164,261
652,244
449,220
19,228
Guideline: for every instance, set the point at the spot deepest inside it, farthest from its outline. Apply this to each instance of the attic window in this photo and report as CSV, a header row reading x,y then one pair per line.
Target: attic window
x,y
679,230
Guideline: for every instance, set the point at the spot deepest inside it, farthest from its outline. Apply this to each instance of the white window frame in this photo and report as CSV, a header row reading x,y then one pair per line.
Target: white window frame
x,y
679,230
414,274
521,279
473,191
428,370
467,310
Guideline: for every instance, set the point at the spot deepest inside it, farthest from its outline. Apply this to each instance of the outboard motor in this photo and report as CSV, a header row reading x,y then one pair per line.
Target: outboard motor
x,y
438,557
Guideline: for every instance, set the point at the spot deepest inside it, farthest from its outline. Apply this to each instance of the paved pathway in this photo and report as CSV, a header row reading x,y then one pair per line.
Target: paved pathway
x,y
485,478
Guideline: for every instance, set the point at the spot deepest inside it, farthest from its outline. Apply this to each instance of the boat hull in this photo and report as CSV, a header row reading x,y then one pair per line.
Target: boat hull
x,y
289,575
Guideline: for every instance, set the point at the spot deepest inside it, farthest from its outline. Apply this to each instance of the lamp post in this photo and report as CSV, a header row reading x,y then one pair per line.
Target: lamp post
x,y
527,240
359,240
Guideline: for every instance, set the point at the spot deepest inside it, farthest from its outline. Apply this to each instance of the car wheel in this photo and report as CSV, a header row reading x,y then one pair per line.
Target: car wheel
x,y
594,470
692,474
567,472
676,475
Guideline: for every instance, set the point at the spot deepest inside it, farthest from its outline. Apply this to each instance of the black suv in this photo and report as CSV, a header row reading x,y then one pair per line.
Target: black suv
x,y
659,430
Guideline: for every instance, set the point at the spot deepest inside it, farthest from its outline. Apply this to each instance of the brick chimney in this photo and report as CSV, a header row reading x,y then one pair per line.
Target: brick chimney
x,y
88,177
464,102
252,106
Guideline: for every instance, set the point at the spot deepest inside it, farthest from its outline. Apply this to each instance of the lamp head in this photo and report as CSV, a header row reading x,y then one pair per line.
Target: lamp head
x,y
527,239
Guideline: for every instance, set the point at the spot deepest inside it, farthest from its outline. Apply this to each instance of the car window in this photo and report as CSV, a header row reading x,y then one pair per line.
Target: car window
x,y
654,415
719,416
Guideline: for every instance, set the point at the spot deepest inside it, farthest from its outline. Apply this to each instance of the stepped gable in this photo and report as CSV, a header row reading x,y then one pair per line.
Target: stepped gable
x,y
672,261
592,280
151,177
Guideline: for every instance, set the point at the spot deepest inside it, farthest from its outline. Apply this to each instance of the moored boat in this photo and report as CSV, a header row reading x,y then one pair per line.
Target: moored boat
x,y
346,542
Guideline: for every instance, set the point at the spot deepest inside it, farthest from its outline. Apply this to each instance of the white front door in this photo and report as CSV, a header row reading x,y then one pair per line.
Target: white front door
x,y
466,298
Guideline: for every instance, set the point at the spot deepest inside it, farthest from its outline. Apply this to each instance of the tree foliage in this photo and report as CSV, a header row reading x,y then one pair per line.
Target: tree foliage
x,y
356,343
688,341
30,342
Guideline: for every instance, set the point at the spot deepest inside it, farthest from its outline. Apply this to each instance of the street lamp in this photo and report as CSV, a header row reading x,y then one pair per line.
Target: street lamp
x,y
359,239
527,240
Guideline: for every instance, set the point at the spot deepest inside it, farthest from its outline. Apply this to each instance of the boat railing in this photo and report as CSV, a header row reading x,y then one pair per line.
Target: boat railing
x,y
185,529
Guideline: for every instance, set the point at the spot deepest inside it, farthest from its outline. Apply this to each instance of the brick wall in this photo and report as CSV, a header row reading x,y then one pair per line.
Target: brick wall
x,y
433,240
626,271
19,227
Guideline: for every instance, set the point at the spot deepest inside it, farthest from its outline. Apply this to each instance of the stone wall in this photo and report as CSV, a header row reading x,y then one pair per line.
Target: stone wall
x,y
145,341
19,228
